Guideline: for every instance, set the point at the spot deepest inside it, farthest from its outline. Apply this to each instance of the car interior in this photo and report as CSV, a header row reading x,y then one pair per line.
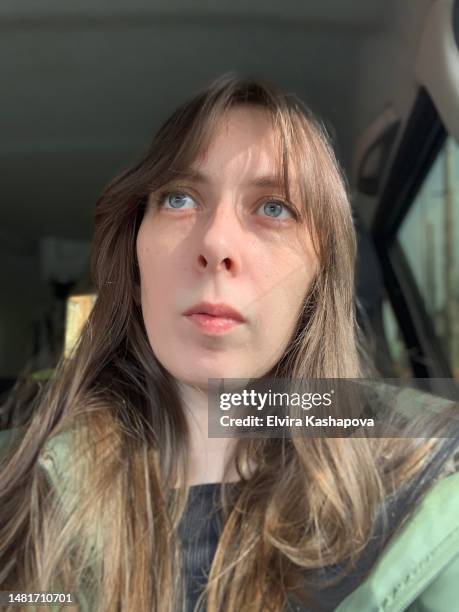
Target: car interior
x,y
86,84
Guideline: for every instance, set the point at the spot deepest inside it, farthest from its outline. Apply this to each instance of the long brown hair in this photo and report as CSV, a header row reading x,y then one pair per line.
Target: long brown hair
x,y
111,531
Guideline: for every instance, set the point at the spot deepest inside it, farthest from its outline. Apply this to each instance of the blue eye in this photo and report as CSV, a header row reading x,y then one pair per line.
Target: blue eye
x,y
174,199
275,209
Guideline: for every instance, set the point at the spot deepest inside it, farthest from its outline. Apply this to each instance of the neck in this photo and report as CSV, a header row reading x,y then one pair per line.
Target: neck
x,y
208,456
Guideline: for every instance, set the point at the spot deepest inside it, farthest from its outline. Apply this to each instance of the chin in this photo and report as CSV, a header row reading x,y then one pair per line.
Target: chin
x,y
199,376
201,379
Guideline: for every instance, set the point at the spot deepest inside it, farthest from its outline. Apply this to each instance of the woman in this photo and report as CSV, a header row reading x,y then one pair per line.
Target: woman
x,y
238,204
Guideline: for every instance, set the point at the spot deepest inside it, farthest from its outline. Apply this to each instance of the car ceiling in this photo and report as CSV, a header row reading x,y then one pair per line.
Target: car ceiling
x,y
85,84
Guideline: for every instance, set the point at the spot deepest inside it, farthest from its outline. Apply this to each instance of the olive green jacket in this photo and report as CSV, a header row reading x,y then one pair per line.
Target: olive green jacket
x,y
418,570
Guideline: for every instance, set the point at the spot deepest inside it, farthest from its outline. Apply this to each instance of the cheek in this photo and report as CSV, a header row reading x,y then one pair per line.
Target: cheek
x,y
281,293
155,255
283,284
155,266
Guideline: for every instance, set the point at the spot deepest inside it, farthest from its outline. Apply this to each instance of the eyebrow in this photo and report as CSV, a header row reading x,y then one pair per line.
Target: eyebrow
x,y
265,180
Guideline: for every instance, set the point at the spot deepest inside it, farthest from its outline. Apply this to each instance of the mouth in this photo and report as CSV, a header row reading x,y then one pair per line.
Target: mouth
x,y
214,319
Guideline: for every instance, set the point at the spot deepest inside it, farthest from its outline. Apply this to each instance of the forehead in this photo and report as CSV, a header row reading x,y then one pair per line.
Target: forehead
x,y
244,145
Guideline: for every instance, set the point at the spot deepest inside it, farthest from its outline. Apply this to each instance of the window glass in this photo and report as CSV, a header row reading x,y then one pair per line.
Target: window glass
x,y
396,345
429,237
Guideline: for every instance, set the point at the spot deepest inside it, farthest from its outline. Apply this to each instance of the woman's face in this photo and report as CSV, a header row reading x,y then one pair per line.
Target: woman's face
x,y
228,239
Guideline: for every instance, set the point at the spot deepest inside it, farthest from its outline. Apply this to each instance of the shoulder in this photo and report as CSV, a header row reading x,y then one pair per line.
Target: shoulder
x,y
5,436
54,457
419,568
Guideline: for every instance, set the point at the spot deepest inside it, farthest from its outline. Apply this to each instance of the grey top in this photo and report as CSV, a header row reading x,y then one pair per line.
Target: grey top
x,y
199,532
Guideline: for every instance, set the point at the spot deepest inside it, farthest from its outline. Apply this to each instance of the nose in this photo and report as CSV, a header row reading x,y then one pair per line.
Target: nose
x,y
220,242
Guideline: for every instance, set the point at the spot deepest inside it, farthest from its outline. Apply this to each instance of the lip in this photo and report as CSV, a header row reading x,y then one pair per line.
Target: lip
x,y
214,319
215,310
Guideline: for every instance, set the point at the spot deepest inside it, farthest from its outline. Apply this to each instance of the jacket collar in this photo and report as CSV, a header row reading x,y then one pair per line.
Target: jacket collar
x,y
415,556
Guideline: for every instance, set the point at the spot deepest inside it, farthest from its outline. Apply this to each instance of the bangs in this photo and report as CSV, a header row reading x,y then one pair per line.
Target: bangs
x,y
295,172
